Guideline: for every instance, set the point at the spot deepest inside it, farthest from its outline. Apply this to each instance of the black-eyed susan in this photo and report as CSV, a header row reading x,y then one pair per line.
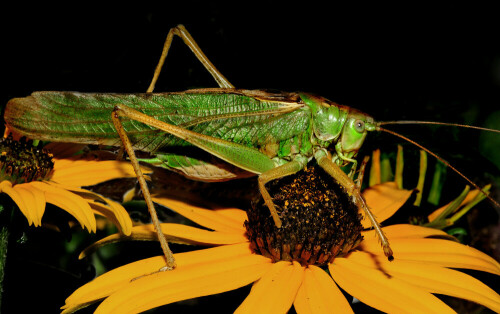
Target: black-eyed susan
x,y
305,269
32,178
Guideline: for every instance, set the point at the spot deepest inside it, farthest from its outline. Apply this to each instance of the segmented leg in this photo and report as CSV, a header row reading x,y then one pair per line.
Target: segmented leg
x,y
244,157
181,31
273,174
361,173
169,257
324,161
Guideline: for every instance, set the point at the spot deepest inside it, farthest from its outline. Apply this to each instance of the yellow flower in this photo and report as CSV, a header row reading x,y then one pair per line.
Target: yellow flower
x,y
423,266
32,178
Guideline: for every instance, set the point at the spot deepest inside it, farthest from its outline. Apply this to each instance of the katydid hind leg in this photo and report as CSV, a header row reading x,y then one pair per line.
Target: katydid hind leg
x,y
169,257
181,31
241,156
353,190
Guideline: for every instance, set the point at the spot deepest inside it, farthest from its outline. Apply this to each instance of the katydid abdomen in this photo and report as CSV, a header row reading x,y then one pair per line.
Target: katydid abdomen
x,y
265,123
86,118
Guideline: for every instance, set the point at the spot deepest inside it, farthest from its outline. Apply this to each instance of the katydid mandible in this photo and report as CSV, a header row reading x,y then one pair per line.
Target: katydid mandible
x,y
213,134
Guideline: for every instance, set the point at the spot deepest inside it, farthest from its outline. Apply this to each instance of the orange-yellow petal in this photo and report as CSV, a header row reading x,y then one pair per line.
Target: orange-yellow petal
x,y
29,201
406,231
432,278
6,187
201,280
72,203
382,291
435,251
319,294
90,172
384,200
205,217
35,201
175,233
116,214
111,209
275,291
191,266
238,216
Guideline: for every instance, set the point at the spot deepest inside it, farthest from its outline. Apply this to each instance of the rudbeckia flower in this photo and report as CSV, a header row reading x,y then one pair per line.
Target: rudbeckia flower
x,y
32,178
306,268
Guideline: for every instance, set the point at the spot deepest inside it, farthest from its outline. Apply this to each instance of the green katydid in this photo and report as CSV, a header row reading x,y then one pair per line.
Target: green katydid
x,y
208,134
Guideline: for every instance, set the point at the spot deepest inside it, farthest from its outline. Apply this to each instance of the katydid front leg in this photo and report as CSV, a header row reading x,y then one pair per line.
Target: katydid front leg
x,y
361,174
341,155
325,162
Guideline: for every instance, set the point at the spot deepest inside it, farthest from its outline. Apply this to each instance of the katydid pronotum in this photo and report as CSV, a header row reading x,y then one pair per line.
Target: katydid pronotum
x,y
208,134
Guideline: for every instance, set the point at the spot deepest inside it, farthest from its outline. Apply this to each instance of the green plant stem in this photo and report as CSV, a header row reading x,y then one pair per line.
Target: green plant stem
x,y
437,184
421,177
399,168
441,222
4,240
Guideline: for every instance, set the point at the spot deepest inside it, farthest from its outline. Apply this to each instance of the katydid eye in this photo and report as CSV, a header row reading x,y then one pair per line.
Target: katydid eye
x,y
359,126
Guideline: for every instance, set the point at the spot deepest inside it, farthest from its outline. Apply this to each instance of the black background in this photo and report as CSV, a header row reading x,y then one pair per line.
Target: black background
x,y
428,62
391,61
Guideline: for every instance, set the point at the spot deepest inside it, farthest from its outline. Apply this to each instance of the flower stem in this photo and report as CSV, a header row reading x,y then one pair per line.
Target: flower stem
x,y
4,240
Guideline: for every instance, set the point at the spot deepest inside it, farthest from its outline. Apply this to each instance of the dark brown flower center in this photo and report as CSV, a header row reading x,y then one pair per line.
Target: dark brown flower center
x,y
319,220
21,162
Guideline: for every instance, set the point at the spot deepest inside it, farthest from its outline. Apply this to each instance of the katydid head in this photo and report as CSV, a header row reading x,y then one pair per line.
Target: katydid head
x,y
342,126
356,126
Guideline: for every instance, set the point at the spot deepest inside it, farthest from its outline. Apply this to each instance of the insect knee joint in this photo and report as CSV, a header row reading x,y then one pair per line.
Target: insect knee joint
x,y
118,111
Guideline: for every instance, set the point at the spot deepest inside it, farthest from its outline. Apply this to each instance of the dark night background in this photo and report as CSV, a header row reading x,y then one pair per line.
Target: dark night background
x,y
432,62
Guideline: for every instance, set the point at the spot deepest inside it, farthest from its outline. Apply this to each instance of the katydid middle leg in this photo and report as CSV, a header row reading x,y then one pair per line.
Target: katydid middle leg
x,y
276,173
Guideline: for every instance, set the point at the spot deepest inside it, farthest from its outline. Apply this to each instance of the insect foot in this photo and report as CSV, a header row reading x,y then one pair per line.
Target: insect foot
x,y
358,199
319,221
167,268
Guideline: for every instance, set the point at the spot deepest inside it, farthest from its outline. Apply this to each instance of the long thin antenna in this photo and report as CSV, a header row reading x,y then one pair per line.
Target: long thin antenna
x,y
440,159
438,123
